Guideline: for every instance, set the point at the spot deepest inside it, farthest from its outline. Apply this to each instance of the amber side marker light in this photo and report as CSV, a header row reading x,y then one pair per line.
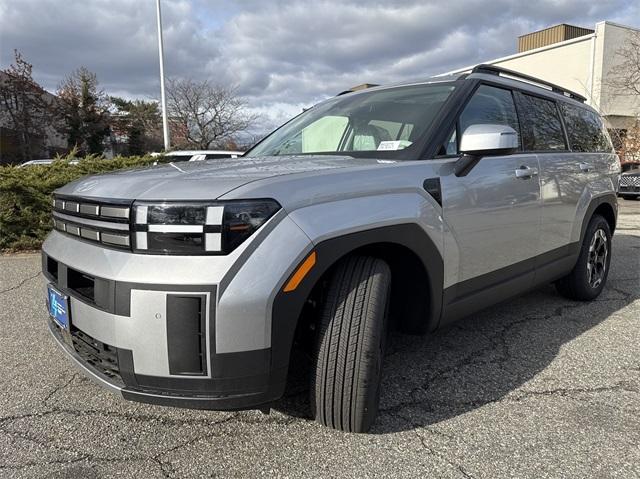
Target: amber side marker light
x,y
300,273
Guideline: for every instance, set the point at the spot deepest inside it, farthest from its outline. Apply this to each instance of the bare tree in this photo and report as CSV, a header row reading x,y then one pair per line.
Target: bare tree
x,y
625,76
624,79
204,115
26,109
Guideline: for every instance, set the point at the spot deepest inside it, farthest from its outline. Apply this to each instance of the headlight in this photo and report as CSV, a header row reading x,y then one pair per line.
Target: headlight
x,y
197,228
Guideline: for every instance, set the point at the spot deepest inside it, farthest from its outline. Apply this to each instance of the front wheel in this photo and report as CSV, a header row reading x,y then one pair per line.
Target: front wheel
x,y
350,345
589,275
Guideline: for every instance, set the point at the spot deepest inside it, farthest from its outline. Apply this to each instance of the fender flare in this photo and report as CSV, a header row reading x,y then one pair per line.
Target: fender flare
x,y
610,199
287,307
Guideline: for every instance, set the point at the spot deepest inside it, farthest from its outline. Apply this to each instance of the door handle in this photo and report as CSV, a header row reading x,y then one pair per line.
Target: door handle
x,y
526,172
585,167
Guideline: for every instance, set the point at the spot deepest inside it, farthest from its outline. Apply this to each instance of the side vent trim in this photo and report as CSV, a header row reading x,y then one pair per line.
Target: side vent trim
x,y
432,186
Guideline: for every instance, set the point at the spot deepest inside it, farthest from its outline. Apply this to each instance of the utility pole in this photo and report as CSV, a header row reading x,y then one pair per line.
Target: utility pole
x,y
163,100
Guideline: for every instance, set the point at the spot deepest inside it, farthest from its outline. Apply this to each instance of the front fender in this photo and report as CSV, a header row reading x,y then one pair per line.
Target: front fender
x,y
338,228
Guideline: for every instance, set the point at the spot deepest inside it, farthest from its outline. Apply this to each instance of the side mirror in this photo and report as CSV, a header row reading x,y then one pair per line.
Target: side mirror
x,y
484,140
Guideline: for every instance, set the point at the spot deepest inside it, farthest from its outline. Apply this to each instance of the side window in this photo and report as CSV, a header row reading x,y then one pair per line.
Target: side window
x,y
585,130
541,129
488,105
451,145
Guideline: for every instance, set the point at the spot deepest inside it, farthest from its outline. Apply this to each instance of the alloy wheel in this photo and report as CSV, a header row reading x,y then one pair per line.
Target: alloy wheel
x,y
597,258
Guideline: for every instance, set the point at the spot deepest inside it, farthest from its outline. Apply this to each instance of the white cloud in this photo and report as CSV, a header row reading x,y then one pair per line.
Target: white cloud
x,y
281,55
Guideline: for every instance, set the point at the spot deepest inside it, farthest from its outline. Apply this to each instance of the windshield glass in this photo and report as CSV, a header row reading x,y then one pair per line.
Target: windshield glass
x,y
384,120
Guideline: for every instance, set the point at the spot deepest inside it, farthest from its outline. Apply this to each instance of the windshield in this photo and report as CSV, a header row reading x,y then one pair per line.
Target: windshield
x,y
381,120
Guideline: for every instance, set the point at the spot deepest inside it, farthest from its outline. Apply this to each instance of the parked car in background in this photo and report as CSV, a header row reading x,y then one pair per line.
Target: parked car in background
x,y
199,155
408,206
630,182
43,162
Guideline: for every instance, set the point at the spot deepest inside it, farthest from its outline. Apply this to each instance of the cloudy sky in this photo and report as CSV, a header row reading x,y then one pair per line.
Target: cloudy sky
x,y
281,55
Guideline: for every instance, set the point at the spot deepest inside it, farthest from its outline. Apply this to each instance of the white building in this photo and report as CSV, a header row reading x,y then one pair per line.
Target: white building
x,y
580,60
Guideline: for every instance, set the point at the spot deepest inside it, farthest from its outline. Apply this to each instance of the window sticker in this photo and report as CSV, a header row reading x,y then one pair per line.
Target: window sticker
x,y
393,145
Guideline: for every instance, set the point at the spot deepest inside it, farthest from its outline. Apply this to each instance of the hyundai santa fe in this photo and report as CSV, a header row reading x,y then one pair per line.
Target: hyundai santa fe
x,y
407,206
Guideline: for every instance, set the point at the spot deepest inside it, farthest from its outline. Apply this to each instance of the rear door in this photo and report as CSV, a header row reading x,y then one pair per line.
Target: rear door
x,y
494,215
566,175
561,181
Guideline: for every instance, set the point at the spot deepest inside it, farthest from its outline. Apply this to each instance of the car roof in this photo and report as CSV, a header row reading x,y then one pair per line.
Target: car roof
x,y
496,74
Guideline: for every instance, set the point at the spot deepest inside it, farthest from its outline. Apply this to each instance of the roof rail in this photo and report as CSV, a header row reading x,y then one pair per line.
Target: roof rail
x,y
494,70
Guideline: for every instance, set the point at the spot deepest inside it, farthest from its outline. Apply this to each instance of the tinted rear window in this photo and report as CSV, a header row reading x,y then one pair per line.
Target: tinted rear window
x,y
541,126
585,130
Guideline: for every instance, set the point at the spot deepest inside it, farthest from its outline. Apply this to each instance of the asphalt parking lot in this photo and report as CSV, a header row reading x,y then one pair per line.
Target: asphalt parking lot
x,y
536,387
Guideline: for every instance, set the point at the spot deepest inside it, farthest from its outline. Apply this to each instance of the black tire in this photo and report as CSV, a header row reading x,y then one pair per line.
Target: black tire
x,y
580,284
350,344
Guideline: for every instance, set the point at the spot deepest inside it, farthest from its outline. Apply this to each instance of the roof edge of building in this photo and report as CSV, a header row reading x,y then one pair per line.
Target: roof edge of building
x,y
521,54
619,25
563,24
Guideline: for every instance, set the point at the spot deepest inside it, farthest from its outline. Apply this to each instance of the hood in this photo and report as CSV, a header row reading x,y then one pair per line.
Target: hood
x,y
200,180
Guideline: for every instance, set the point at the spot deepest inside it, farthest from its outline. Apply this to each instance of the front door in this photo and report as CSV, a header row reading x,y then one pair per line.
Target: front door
x,y
493,212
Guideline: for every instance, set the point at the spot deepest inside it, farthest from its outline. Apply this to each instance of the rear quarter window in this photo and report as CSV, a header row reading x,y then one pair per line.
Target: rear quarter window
x,y
585,129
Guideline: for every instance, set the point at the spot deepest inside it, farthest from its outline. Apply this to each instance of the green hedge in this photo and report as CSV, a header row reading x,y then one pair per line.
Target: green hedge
x,y
25,195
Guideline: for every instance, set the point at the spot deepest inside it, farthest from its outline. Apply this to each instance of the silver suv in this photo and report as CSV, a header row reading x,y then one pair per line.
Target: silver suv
x,y
407,206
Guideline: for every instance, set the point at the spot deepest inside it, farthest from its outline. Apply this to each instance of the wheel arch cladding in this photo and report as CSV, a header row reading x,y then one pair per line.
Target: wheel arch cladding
x,y
414,260
606,206
607,211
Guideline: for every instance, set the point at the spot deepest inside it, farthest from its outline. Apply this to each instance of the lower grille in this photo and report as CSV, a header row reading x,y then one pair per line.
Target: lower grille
x,y
100,356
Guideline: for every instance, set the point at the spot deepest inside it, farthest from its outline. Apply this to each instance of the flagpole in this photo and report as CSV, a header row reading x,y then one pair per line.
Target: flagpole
x,y
163,100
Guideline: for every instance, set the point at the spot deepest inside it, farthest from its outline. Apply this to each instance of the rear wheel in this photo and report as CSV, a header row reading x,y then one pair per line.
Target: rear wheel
x,y
588,277
350,345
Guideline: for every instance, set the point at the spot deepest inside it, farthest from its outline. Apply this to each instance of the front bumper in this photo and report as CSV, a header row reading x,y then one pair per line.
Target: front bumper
x,y
261,389
629,190
180,331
